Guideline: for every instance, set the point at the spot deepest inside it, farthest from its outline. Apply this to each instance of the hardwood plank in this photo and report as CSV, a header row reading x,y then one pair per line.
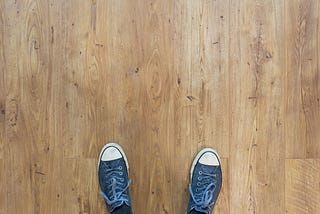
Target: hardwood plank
x,y
243,121
256,148
201,87
201,77
136,107
302,186
2,82
302,79
157,105
16,137
77,61
268,68
3,190
27,103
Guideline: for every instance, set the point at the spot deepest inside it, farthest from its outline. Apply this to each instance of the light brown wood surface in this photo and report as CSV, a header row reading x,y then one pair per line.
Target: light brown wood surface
x,y
163,79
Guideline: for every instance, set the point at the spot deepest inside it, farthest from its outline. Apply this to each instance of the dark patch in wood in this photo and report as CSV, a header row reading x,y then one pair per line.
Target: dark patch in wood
x,y
262,55
86,206
36,45
214,43
30,173
221,17
252,98
252,203
52,34
191,98
76,84
164,209
40,173
268,55
278,123
136,70
67,105
13,114
99,45
179,80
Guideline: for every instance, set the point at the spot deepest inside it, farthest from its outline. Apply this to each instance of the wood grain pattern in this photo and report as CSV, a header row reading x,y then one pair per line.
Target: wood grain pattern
x,y
256,148
164,79
201,103
302,186
302,80
2,84
3,202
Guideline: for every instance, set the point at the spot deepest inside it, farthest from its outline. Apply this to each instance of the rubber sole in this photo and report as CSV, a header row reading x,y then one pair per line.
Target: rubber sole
x,y
119,148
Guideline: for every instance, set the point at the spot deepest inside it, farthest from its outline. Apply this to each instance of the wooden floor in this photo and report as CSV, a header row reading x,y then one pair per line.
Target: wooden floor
x,y
164,79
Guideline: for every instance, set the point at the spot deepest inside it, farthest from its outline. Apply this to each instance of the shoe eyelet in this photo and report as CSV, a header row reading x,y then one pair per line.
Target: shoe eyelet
x,y
200,172
120,173
198,184
199,178
120,167
197,190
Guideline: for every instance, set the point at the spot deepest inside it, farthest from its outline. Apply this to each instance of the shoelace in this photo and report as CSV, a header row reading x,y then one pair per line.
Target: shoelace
x,y
205,199
116,193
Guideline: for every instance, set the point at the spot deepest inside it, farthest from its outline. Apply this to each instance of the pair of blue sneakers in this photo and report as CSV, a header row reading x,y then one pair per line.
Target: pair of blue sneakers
x,y
205,179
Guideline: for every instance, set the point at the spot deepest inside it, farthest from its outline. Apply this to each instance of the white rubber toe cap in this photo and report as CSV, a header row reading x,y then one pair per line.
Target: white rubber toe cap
x,y
111,153
209,159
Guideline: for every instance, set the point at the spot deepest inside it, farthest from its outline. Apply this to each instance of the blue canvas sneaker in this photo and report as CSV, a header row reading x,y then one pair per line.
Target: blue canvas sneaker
x,y
205,181
113,170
